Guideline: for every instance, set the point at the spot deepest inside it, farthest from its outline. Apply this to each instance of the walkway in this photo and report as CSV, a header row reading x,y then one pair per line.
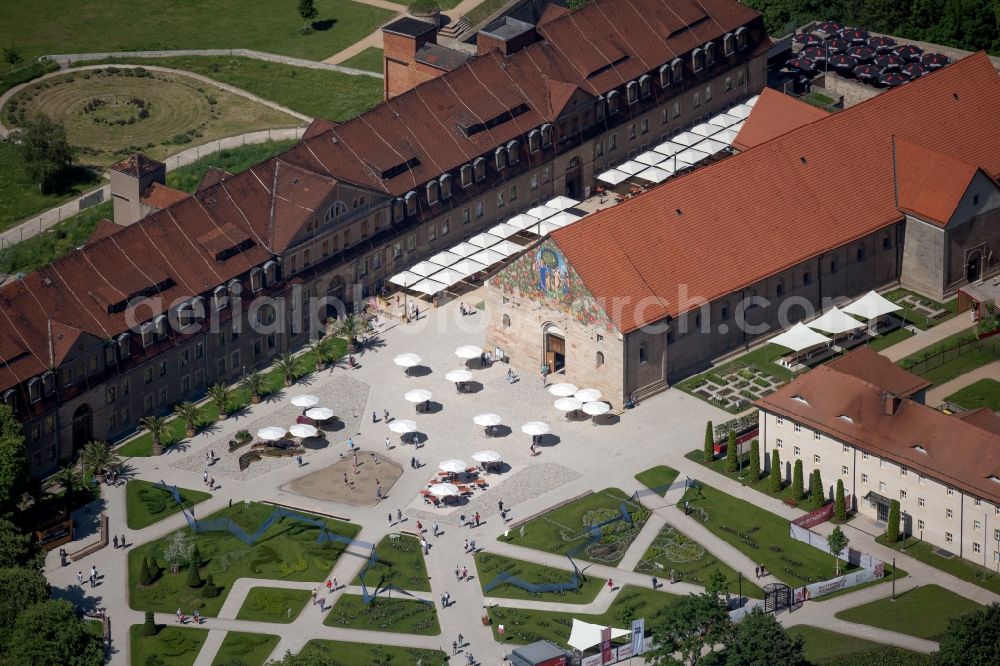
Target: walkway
x,y
923,339
937,394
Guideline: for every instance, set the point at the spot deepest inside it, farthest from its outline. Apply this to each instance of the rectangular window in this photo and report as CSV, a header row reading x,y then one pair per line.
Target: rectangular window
x,y
976,548
864,478
864,455
976,525
643,126
729,83
185,383
199,350
432,232
676,110
147,375
781,420
708,94
777,443
199,377
951,491
534,181
948,513
163,368
221,366
696,100
445,226
631,132
948,537
110,395
816,434
612,143
902,494
816,458
411,243
185,358
465,216
499,199
797,427
479,210
920,525
978,501
112,422
797,451
881,486
844,470
513,193
847,448
920,501
163,396
147,403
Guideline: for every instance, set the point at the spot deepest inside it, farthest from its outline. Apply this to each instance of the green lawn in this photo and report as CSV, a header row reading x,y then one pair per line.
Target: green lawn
x,y
341,653
175,432
489,566
52,26
287,551
672,550
400,563
822,646
484,9
948,367
565,528
20,198
147,503
763,485
233,160
314,92
527,626
917,318
956,566
175,646
25,72
657,479
890,338
370,60
244,649
922,612
396,614
983,393
272,604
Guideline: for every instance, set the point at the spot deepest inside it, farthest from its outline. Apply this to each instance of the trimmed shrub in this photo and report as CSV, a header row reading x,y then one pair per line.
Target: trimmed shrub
x,y
709,443
193,577
775,471
211,589
798,492
732,455
754,461
892,527
839,505
149,625
816,493
145,578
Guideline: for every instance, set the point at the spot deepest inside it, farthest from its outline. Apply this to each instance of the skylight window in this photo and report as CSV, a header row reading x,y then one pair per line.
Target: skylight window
x,y
919,449
799,398
845,417
994,478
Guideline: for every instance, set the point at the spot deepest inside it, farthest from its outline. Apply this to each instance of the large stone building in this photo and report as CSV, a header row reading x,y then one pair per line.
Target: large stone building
x,y
901,188
113,331
860,419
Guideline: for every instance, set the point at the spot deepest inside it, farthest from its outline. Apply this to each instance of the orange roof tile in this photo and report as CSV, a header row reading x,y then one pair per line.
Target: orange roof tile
x,y
774,114
930,183
137,165
867,364
759,212
160,196
103,229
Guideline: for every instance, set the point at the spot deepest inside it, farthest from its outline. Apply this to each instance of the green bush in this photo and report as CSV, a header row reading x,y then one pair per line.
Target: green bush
x,y
24,74
754,461
775,471
422,6
798,492
145,578
193,577
892,527
149,625
211,589
839,505
709,443
816,493
732,455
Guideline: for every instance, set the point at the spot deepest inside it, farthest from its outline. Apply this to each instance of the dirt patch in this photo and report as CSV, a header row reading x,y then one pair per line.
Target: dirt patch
x,y
361,488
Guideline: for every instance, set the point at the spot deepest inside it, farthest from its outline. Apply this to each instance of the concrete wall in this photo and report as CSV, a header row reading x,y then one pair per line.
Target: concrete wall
x,y
851,91
923,258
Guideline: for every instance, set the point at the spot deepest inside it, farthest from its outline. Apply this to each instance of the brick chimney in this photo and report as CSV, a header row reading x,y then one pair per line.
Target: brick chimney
x,y
506,34
890,403
401,40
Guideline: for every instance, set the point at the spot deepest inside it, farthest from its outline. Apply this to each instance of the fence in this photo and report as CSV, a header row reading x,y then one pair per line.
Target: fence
x,y
939,358
871,567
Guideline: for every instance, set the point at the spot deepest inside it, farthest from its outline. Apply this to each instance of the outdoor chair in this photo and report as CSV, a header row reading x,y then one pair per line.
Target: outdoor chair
x,y
303,419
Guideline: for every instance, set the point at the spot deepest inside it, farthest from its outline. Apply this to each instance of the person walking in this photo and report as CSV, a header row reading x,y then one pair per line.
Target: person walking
x,y
180,616
329,585
197,616
122,540
426,546
399,515
611,585
385,414
420,527
500,506
435,529
386,443
454,647
93,571
79,578
335,586
466,545
458,573
374,418
350,444
477,519
204,476
461,640
388,520
413,462
378,490
314,595
465,572
116,542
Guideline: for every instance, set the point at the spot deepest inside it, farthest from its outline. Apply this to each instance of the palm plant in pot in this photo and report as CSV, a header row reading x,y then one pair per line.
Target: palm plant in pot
x,y
220,396
157,426
350,327
254,385
286,366
97,458
322,348
189,412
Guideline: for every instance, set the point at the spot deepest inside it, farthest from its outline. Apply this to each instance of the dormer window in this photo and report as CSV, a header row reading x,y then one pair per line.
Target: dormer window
x,y
124,346
676,71
632,92
256,280
146,331
741,38
235,288
411,203
34,389
919,449
698,59
546,135
48,383
512,156
613,102
645,85
445,186
10,399
800,399
599,108
432,192
500,156
160,326
110,354
466,174
219,297
709,54
729,43
270,272
185,315
664,76
534,141
479,165
845,417
397,209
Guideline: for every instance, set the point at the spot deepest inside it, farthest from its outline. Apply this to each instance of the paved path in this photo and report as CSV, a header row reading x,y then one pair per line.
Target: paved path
x,y
926,338
586,458
937,394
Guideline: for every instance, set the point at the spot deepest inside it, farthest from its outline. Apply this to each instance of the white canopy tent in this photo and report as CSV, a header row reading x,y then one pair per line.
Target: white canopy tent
x,y
522,221
405,279
724,120
458,376
417,395
740,111
711,146
305,400
613,177
319,413
271,433
506,248
425,268
463,249
428,287
835,321
871,306
448,277
541,212
655,174
407,360
631,167
691,156
444,490
585,635
561,203
303,431
563,218
706,129
650,158
687,138
487,456
443,260
596,408
587,395
567,404
484,241
467,267
753,100
469,351
403,426
726,136
563,389
453,466
669,148
502,230
545,227
486,258
535,428
800,337
487,419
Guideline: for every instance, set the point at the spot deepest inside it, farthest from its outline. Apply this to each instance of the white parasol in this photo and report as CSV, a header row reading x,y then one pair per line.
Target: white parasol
x,y
417,395
469,351
271,433
568,404
403,426
319,413
444,490
452,465
596,408
535,428
458,376
587,395
305,401
563,390
487,419
487,456
407,360
302,430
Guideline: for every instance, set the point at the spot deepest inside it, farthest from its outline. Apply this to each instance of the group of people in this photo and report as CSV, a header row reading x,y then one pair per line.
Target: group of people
x,y
208,480
466,309
182,618
93,578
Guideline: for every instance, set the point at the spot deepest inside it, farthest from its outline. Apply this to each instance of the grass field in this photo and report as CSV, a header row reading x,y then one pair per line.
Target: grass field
x,y
690,561
956,566
394,614
523,626
232,160
482,10
341,653
922,612
890,338
175,646
239,647
566,528
762,485
822,646
916,317
400,563
314,92
272,604
109,113
983,393
949,366
489,566
20,198
657,479
370,60
146,503
55,26
287,551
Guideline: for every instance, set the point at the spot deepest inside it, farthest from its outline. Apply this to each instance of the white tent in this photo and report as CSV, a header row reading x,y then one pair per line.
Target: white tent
x,y
692,156
726,136
407,360
836,322
424,269
711,146
428,287
417,395
669,148
303,430
587,395
458,376
506,248
522,221
596,408
687,138
452,465
753,100
546,227
541,212
800,337
738,126
305,400
650,157
613,177
563,218
448,277
724,120
631,167
706,129
442,260
871,306
740,111
403,426
467,267
319,413
502,230
463,249
487,456
568,404
655,174
561,203
585,635
271,433
486,258
405,279
484,241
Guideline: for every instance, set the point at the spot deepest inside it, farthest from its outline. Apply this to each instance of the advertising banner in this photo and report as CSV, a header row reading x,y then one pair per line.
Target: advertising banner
x,y
606,656
638,635
814,590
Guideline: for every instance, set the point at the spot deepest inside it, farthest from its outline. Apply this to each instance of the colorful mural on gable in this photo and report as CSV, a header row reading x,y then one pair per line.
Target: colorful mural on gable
x,y
543,275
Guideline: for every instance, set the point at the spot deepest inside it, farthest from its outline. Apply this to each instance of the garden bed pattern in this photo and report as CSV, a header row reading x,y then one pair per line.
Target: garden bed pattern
x,y
736,389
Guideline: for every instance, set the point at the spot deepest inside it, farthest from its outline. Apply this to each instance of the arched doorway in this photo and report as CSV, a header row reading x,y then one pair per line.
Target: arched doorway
x,y
574,179
554,348
83,426
974,266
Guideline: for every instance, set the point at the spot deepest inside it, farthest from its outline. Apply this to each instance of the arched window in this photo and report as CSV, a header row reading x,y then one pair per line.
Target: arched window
x,y
642,352
698,59
600,106
676,71
479,165
146,331
466,172
235,288
397,209
445,186
534,141
632,92
10,399
160,325
546,135
500,155
432,192
645,85
600,359
729,43
48,382
506,321
664,76
124,346
512,156
741,38
709,54
219,297
613,102
411,203
256,280
780,289
270,272
34,389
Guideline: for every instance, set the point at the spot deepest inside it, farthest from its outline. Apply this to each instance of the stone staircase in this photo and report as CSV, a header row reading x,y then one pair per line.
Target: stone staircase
x,y
456,28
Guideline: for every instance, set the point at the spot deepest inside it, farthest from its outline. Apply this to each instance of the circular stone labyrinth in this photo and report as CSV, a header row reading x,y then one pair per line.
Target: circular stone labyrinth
x,y
328,483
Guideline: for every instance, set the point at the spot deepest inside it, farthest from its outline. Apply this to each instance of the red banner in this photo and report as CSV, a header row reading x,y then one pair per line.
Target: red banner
x,y
606,656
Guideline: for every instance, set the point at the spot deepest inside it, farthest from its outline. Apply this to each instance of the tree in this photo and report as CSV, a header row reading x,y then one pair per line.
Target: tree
x,y
51,633
286,366
837,541
892,527
196,556
149,627
322,349
732,453
22,588
839,504
797,491
145,578
759,640
193,577
884,656
13,462
688,626
12,56
775,471
972,639
18,549
754,461
157,427
351,327
308,12
189,413
69,481
816,493
716,583
254,386
98,458
45,151
210,590
220,395
179,549
709,443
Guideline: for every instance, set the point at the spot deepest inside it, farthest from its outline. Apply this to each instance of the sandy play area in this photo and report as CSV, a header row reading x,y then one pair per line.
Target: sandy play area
x,y
370,472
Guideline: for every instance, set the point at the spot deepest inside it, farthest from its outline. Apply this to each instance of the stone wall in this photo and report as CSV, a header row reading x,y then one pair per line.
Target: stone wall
x,y
852,91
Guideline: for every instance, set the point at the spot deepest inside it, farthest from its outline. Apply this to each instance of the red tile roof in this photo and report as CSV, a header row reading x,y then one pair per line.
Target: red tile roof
x,y
103,229
867,364
137,165
774,114
982,418
955,451
731,224
212,176
161,196
930,183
